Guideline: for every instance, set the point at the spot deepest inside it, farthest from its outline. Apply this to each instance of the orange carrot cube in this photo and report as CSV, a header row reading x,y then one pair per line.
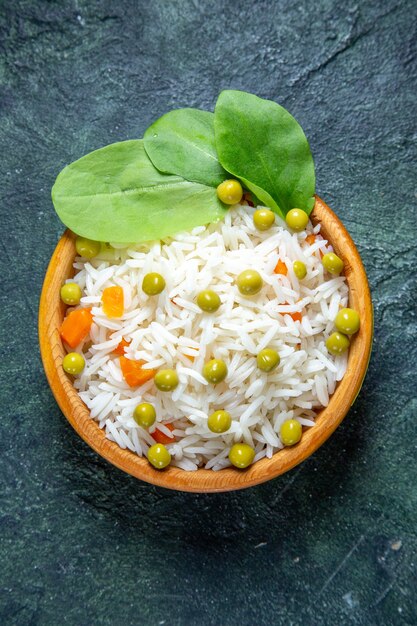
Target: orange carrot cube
x,y
76,326
281,268
161,437
113,301
120,349
133,372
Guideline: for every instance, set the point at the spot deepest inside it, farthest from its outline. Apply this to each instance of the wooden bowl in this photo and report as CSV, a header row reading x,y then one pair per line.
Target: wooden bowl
x,y
51,313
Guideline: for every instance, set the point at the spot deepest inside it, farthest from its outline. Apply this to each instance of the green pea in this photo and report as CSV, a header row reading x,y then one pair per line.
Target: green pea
x,y
153,284
337,343
71,293
268,359
219,421
87,247
166,380
230,191
241,455
144,414
347,321
332,263
249,282
300,269
297,219
215,371
263,219
290,432
158,456
208,301
73,363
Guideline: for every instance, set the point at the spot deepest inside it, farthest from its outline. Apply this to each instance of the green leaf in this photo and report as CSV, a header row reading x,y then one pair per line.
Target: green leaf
x,y
116,194
259,142
182,142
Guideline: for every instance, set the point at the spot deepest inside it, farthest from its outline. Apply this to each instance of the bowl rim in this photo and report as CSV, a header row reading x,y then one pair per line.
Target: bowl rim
x,y
51,312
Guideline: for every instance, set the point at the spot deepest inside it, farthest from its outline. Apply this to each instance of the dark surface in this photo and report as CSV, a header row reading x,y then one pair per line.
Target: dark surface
x,y
332,542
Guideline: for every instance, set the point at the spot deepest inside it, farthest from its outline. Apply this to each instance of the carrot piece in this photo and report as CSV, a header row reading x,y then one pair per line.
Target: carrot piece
x,y
297,317
133,373
161,437
310,239
120,349
113,301
281,268
76,326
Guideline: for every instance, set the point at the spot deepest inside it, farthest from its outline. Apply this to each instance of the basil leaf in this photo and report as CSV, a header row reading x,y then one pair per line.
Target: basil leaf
x,y
259,142
182,142
116,194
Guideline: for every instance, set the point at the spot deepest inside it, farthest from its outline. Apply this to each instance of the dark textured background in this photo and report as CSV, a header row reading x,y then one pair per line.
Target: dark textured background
x,y
332,542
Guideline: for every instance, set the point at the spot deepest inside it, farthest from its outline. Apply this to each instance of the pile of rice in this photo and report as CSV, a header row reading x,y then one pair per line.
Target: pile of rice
x,y
170,331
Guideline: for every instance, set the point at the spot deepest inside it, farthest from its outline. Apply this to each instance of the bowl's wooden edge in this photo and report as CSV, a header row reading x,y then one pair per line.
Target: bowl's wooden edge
x,y
51,312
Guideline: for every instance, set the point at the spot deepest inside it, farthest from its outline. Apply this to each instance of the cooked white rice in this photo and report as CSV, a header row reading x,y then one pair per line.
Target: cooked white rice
x,y
166,330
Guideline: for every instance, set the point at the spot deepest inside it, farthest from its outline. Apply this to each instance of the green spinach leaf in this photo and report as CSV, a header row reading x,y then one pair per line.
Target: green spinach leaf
x,y
182,142
116,194
260,143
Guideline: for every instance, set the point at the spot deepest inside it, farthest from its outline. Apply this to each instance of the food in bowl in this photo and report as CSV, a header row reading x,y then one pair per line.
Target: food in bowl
x,y
212,346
